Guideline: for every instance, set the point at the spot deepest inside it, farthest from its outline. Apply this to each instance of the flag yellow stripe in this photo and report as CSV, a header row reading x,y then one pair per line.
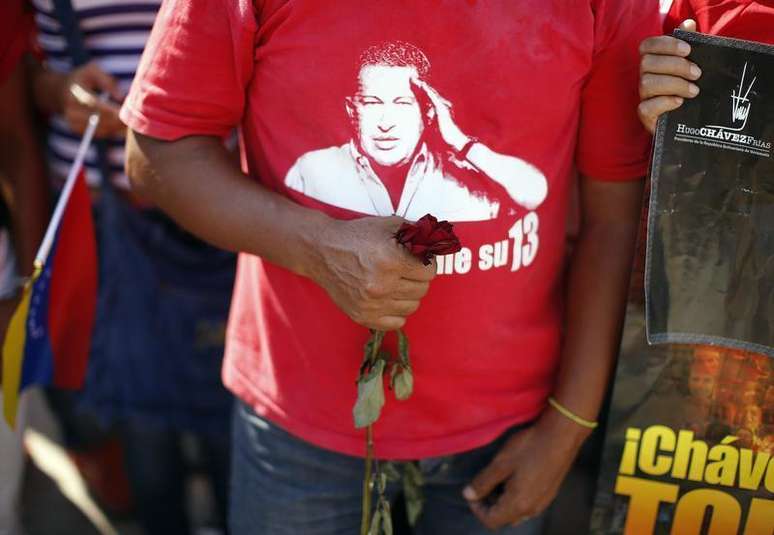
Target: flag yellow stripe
x,y
13,355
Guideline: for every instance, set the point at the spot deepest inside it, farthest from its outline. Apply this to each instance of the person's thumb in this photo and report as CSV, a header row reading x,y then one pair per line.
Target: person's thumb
x,y
689,25
486,481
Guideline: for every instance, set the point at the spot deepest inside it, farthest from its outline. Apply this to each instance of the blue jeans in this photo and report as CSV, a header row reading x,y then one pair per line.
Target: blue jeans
x,y
157,473
281,485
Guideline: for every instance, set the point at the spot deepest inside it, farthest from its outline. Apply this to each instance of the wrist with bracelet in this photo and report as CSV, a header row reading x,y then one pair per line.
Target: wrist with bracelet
x,y
567,413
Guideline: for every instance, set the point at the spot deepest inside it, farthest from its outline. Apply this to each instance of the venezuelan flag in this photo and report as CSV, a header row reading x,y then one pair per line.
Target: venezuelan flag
x,y
49,336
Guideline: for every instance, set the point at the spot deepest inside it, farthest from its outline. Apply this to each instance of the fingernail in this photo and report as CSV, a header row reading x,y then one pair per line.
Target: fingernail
x,y
684,48
469,494
693,90
695,71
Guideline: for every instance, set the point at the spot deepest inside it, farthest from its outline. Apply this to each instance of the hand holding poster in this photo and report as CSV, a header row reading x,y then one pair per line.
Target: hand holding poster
x,y
710,267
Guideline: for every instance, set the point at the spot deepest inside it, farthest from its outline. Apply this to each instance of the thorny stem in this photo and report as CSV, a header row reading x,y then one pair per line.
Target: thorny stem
x,y
365,519
365,522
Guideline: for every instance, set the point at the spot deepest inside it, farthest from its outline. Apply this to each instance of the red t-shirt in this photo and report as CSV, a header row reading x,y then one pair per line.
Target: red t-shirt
x,y
329,92
752,20
16,31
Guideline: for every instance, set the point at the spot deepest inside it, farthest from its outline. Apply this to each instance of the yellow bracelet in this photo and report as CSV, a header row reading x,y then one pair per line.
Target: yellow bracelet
x,y
564,411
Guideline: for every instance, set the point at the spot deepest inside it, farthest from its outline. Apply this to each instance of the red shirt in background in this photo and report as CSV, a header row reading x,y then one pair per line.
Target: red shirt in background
x,y
742,19
16,34
550,86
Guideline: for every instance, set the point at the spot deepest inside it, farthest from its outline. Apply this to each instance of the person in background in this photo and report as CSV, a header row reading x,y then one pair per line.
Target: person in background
x,y
23,215
495,337
163,294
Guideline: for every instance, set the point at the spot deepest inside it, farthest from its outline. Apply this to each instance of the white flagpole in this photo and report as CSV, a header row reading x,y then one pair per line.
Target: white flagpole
x,y
72,176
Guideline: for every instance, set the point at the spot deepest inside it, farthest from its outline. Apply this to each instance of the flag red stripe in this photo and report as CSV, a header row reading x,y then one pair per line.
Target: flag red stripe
x,y
73,293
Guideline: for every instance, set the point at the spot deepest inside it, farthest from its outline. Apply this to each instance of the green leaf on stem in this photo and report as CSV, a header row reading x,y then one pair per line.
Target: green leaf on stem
x,y
386,518
376,523
412,490
390,470
403,348
394,369
370,396
403,383
373,344
371,351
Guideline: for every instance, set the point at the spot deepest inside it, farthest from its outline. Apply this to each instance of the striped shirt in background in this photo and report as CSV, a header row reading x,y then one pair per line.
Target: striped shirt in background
x,y
114,33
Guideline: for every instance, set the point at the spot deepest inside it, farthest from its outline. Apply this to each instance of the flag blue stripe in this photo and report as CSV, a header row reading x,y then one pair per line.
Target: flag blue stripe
x,y
38,365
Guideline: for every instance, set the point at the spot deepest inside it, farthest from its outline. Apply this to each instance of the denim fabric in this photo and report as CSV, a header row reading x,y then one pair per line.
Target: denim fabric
x,y
157,471
162,307
281,485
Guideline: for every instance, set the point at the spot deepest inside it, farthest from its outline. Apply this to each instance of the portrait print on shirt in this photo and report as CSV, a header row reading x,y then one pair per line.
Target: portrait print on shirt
x,y
402,126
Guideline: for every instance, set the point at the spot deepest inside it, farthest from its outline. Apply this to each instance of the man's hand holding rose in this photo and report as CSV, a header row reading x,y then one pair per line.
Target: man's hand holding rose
x,y
370,277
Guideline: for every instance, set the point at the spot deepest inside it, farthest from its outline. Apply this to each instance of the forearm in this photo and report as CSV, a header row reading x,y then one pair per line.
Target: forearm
x,y
30,209
21,162
47,88
594,308
196,181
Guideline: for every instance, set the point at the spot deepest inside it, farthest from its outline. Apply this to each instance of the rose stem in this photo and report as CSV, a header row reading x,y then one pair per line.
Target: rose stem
x,y
366,514
365,519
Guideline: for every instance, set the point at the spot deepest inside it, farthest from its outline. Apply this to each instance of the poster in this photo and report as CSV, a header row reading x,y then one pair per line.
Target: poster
x,y
710,266
689,447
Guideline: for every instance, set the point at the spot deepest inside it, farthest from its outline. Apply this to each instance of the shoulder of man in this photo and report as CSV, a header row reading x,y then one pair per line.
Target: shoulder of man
x,y
623,21
319,160
321,166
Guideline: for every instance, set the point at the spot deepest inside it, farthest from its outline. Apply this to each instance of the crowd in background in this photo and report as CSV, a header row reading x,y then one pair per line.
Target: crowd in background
x,y
153,383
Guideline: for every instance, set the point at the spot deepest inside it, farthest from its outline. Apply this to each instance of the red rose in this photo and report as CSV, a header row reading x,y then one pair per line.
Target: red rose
x,y
424,239
428,237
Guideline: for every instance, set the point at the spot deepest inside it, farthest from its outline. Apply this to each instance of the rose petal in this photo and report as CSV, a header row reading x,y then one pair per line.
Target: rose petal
x,y
428,237
418,249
